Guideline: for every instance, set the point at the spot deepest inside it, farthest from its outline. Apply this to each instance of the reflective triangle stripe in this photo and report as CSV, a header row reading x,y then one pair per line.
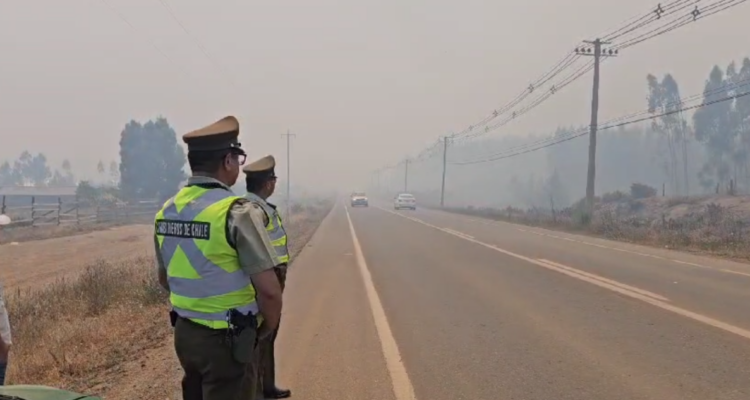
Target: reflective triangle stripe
x,y
215,280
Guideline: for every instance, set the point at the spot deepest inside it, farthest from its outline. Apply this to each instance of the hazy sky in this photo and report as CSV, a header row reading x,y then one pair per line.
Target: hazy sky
x,y
362,83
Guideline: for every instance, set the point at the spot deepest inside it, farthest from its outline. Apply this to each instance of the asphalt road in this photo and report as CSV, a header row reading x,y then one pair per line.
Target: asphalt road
x,y
427,305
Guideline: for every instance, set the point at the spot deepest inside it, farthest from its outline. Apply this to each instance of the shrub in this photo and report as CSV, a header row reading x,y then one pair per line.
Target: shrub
x,y
71,329
641,191
612,197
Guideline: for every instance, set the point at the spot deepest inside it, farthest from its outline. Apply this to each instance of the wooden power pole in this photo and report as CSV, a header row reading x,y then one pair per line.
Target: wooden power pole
x,y
288,182
445,161
406,175
597,53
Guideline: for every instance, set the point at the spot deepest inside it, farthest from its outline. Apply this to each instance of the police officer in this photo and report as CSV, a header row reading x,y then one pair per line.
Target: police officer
x,y
215,257
260,182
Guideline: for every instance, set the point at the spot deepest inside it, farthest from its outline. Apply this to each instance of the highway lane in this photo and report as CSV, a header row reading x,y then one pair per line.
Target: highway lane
x,y
468,321
710,286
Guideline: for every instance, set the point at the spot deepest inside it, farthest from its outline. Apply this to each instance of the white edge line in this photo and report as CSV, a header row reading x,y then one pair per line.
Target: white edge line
x,y
744,333
538,231
402,386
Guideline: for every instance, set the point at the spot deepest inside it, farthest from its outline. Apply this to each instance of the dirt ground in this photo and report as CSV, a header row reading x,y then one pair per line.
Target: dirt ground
x,y
149,369
39,262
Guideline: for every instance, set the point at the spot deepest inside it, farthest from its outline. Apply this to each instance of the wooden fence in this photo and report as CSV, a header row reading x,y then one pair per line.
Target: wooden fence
x,y
76,213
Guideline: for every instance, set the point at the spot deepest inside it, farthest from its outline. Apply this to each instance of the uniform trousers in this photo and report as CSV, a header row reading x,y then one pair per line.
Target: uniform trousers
x,y
211,371
267,362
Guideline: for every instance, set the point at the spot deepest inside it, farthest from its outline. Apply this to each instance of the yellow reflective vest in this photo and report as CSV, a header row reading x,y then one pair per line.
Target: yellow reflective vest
x,y
274,227
203,270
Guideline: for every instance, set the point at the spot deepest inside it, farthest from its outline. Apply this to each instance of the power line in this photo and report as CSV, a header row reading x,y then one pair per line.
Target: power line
x,y
564,138
729,87
628,119
577,74
660,12
657,13
224,74
128,23
556,69
695,15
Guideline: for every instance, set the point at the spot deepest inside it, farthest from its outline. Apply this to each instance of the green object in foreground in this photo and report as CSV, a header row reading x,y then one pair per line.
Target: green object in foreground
x,y
35,392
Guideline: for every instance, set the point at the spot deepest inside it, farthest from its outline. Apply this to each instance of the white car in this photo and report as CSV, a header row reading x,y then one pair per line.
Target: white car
x,y
359,199
405,200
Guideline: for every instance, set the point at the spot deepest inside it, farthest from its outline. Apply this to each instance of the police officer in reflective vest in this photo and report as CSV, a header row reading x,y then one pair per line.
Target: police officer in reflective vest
x,y
260,181
217,261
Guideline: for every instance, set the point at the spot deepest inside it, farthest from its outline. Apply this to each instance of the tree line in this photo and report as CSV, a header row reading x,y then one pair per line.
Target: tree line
x,y
706,152
151,166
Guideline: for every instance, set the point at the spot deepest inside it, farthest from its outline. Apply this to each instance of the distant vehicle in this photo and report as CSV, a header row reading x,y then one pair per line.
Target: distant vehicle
x,y
405,200
359,199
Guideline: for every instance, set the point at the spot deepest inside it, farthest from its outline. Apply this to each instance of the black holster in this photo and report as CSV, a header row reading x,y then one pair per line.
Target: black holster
x,y
173,318
243,335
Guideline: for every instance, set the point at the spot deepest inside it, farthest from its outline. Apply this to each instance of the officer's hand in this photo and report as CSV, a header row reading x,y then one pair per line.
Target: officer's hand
x,y
264,331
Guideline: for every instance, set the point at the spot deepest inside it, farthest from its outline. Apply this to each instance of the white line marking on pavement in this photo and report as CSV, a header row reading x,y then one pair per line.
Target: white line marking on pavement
x,y
600,280
735,272
402,387
601,246
744,333
458,233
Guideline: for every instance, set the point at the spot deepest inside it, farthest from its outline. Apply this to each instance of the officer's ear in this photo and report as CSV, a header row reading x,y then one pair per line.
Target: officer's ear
x,y
228,161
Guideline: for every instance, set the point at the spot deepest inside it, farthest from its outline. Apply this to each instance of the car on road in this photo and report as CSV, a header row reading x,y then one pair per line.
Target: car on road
x,y
359,199
405,200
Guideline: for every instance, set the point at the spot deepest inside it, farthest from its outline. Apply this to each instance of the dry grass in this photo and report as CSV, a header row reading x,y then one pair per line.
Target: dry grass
x,y
73,330
28,233
709,228
106,331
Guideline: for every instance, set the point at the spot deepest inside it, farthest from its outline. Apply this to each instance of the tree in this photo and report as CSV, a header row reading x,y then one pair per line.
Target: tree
x,y
87,193
151,160
114,173
32,170
8,175
664,98
713,128
555,191
69,178
57,179
740,121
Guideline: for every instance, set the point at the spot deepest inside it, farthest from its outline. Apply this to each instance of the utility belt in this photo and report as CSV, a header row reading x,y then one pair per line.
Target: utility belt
x,y
241,334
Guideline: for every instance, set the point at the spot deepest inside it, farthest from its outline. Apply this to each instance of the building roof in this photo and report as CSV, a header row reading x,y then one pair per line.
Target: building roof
x,y
37,191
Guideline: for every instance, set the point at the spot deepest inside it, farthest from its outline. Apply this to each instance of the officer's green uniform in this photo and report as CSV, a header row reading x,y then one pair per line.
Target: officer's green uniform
x,y
204,243
263,169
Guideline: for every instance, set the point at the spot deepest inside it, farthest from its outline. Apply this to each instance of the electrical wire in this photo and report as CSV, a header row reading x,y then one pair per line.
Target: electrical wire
x,y
726,88
695,15
610,125
730,87
557,68
129,24
224,74
660,12
671,8
577,74
567,61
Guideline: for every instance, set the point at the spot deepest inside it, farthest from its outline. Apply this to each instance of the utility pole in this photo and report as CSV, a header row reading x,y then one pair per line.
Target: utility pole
x,y
288,181
445,161
406,175
591,176
377,184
